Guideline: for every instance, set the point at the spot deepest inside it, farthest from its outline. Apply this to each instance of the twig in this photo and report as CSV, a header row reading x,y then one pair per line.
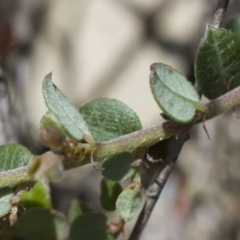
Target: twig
x,y
156,188
141,138
14,177
220,12
150,136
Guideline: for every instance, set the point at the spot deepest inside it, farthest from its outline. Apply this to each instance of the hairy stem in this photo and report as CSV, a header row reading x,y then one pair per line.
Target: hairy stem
x,y
141,138
151,135
14,177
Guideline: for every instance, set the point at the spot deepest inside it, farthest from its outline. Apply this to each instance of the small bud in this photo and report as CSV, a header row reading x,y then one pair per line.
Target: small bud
x,y
51,131
48,167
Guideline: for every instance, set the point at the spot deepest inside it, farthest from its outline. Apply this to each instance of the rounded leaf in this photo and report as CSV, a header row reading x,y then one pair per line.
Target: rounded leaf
x,y
14,156
39,224
5,206
90,226
118,167
174,94
77,208
109,194
128,204
217,66
37,196
109,118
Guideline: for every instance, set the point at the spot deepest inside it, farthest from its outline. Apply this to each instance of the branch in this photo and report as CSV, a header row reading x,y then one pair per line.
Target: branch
x,y
220,12
155,189
215,107
14,177
142,138
157,133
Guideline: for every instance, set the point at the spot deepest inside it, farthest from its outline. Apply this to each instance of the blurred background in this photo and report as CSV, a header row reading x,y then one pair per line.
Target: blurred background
x,y
105,49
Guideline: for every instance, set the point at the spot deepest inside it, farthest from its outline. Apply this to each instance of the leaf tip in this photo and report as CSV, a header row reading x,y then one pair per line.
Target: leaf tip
x,y
49,75
48,78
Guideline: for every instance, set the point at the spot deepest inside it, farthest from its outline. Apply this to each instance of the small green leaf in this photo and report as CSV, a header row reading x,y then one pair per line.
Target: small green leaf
x,y
128,204
109,118
52,133
233,25
174,94
90,226
38,196
217,66
77,208
14,156
65,111
40,223
109,194
5,206
118,167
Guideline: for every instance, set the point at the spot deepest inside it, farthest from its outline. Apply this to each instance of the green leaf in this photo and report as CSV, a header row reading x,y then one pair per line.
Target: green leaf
x,y
40,223
217,67
109,194
109,118
7,232
233,25
65,111
5,206
128,204
14,156
174,94
118,167
52,133
90,226
77,208
38,196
